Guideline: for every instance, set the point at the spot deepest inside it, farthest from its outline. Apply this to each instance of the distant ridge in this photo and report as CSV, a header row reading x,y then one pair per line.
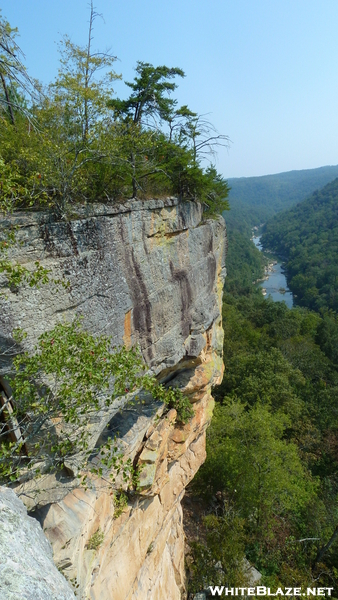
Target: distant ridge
x,y
254,200
316,169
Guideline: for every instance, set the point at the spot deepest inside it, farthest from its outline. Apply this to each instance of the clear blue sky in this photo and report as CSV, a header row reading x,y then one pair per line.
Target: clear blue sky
x,y
265,70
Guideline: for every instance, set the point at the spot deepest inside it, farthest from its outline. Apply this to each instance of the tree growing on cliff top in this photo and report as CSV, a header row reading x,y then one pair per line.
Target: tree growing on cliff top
x,y
150,96
78,88
89,147
148,102
172,156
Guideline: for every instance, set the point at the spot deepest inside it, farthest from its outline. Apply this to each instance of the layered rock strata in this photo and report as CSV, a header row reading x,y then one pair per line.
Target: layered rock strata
x,y
148,274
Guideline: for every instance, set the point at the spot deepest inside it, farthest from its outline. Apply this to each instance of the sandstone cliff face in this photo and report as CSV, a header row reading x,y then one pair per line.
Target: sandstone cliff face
x,y
149,274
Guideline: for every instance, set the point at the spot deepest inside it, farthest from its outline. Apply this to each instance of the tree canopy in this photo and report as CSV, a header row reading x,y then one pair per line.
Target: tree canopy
x,y
87,146
150,95
270,478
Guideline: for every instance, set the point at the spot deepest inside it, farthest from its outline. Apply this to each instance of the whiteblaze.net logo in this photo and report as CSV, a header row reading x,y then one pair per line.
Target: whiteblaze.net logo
x,y
261,590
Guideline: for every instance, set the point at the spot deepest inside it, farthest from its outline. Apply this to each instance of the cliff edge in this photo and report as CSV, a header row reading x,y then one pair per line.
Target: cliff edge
x,y
149,274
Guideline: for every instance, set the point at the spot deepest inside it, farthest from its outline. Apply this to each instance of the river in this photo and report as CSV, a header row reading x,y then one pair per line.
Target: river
x,y
276,281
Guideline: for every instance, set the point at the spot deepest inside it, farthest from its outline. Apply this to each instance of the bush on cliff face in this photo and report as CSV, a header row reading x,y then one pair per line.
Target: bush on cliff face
x,y
73,143
70,376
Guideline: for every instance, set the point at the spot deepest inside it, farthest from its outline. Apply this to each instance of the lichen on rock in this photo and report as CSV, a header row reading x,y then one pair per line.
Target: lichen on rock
x,y
27,570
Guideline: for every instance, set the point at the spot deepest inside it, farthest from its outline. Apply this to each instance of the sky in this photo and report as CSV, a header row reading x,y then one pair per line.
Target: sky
x,y
265,72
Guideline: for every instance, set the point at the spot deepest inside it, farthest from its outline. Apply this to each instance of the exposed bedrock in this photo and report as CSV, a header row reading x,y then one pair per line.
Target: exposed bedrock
x,y
149,274
27,571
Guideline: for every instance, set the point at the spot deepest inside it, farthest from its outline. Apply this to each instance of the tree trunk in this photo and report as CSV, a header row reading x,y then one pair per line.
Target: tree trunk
x,y
9,104
325,548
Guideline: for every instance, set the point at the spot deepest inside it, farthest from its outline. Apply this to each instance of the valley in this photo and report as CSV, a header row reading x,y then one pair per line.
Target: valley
x,y
274,282
275,419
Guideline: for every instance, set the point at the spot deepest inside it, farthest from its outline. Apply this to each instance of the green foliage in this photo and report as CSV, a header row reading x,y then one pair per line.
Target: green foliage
x,y
327,336
108,464
87,147
266,378
254,200
71,375
220,559
13,76
307,236
172,397
150,548
249,461
57,387
213,192
96,540
77,89
11,191
245,263
17,274
120,503
11,195
172,162
271,448
149,98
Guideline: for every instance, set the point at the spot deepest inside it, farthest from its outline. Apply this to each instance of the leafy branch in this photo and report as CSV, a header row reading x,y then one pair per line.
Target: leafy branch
x,y
70,377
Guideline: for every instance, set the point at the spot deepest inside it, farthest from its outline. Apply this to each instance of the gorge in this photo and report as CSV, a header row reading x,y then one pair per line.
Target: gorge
x,y
275,283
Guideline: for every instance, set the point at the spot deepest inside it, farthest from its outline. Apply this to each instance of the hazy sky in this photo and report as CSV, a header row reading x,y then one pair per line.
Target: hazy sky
x,y
266,71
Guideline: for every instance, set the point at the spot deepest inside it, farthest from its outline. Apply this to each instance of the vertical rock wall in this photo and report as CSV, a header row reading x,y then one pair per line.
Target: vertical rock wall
x,y
149,274
27,570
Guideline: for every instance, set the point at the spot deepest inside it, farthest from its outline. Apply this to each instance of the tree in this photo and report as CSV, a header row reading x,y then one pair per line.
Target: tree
x,y
199,134
73,121
219,559
254,475
13,74
327,336
174,156
177,121
81,93
89,147
149,98
256,468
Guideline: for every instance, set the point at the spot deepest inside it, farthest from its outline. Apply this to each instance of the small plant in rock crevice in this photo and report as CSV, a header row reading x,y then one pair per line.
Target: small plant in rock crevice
x,y
120,503
96,540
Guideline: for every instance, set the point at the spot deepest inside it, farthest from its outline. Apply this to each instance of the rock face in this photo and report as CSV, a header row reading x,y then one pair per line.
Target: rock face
x,y
27,571
148,274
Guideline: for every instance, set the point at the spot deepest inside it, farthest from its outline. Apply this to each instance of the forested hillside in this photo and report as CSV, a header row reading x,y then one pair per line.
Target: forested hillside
x,y
307,236
245,263
253,200
270,481
269,486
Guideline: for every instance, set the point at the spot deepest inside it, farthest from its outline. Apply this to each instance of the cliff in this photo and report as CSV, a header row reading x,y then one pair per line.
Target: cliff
x,y
27,570
149,274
